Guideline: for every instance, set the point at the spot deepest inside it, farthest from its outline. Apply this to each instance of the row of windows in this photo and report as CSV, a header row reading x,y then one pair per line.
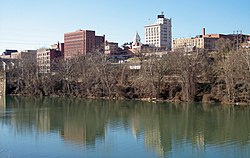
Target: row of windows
x,y
43,61
150,42
151,29
81,42
74,51
43,54
74,40
74,35
74,44
43,57
152,37
152,34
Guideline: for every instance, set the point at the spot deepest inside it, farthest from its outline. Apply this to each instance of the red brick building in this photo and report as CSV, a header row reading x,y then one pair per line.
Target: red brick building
x,y
82,42
100,43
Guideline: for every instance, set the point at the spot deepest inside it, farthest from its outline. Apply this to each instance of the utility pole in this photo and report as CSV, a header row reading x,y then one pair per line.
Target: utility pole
x,y
237,39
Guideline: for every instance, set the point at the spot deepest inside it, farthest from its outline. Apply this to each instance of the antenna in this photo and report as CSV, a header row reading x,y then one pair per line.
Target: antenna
x,y
162,13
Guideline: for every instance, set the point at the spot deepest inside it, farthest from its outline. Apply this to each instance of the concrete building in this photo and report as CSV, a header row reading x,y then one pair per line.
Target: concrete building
x,y
205,41
82,42
159,34
7,53
25,55
21,55
46,59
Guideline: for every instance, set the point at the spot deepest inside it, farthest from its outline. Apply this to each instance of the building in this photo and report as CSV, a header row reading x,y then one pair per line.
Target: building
x,y
136,44
46,59
25,55
159,34
7,53
99,43
246,44
82,42
206,41
22,55
111,47
58,46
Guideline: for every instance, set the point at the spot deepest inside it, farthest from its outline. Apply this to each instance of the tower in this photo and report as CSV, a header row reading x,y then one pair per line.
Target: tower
x,y
136,42
159,34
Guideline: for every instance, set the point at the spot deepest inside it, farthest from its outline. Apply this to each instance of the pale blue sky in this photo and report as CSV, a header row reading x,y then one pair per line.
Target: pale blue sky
x,y
30,24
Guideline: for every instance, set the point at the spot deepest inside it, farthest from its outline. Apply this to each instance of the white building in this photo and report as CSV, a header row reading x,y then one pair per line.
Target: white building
x,y
43,60
47,59
159,34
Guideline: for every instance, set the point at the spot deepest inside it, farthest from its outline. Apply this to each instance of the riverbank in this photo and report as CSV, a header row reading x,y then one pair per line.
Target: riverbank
x,y
150,100
175,77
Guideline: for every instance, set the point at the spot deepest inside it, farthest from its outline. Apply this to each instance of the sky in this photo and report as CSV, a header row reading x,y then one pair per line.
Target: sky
x,y
32,24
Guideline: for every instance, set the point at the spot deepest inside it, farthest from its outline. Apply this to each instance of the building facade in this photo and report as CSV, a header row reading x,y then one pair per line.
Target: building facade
x,y
206,41
25,55
159,34
7,53
99,43
82,42
46,59
111,47
136,44
59,46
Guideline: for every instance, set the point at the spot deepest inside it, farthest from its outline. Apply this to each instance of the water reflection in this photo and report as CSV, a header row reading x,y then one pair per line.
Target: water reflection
x,y
2,102
164,128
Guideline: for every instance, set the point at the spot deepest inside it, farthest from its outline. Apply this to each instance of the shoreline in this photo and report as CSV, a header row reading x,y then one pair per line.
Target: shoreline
x,y
150,100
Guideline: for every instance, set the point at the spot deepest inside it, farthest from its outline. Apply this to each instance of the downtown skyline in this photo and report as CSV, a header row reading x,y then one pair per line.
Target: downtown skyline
x,y
30,25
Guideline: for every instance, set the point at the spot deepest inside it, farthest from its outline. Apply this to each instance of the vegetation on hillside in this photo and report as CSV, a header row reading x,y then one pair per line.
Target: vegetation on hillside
x,y
222,76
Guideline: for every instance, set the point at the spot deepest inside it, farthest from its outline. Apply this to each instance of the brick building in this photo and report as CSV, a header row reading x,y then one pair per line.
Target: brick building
x,y
111,47
82,42
59,46
206,41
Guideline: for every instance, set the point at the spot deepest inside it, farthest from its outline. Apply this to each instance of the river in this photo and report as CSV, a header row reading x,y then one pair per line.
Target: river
x,y
67,128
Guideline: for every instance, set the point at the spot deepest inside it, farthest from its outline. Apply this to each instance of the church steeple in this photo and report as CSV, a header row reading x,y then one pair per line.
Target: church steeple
x,y
137,41
137,38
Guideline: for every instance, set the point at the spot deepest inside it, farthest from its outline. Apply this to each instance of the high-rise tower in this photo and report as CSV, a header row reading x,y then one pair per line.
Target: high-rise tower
x,y
159,34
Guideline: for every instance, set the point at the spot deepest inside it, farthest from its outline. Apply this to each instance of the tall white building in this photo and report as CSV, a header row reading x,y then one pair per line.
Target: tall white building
x,y
159,34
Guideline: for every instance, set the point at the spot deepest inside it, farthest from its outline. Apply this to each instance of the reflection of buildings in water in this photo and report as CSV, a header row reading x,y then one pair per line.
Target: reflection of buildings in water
x,y
26,120
135,127
200,141
2,102
43,120
148,125
73,132
82,133
153,140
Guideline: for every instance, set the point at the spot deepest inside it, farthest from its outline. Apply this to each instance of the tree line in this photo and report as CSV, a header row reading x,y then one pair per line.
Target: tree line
x,y
222,76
